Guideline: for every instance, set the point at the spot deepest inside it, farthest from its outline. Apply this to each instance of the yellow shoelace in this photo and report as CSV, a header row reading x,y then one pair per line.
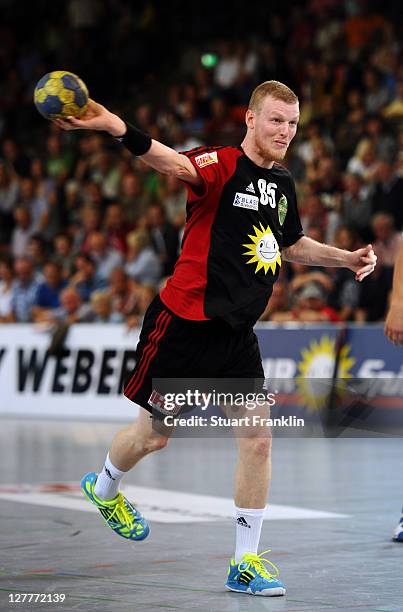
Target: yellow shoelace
x,y
257,563
122,513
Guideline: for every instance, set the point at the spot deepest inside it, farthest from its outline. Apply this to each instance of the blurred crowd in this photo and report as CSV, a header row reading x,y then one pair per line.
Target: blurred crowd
x,y
90,233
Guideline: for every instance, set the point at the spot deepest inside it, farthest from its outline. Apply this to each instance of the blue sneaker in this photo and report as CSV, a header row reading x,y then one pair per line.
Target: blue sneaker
x,y
118,513
398,533
251,576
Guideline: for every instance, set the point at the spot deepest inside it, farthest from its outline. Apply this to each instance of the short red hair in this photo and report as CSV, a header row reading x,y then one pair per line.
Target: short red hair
x,y
275,89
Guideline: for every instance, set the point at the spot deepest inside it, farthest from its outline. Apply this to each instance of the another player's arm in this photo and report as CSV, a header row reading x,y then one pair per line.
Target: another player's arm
x,y
394,319
309,252
154,153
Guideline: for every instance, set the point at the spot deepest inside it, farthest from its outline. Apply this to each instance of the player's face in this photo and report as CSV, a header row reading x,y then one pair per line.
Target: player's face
x,y
275,125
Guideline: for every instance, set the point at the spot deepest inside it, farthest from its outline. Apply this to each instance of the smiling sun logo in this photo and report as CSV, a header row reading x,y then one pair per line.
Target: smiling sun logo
x,y
316,371
264,250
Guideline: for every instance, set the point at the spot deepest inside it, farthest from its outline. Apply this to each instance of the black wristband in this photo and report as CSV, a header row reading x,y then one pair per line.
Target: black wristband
x,y
135,140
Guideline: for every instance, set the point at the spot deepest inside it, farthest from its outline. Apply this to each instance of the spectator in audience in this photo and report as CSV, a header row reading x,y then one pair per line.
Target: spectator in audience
x,y
311,141
37,251
142,264
354,120
63,254
387,239
48,294
164,237
6,290
9,189
59,159
310,305
314,214
388,193
106,174
16,160
386,245
327,182
116,228
43,185
173,196
123,292
376,93
355,206
85,279
93,197
22,232
182,141
71,310
25,290
90,222
192,122
105,258
102,309
394,110
146,295
345,292
363,162
132,198
46,194
9,192
71,195
383,142
228,67
374,296
222,128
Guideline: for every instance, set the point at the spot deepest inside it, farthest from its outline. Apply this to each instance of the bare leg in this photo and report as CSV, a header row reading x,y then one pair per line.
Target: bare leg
x,y
253,472
253,469
137,440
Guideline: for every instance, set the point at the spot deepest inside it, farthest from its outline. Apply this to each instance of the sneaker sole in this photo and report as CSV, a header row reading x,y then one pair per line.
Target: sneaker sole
x,y
275,592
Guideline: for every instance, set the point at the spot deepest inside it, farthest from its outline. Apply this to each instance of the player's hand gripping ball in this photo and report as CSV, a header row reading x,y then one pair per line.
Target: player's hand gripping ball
x,y
61,94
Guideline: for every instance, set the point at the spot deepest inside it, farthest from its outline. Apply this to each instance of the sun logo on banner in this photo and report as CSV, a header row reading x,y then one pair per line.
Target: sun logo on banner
x,y
264,250
316,371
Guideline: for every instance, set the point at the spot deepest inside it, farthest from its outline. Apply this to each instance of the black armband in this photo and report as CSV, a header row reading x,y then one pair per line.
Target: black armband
x,y
135,140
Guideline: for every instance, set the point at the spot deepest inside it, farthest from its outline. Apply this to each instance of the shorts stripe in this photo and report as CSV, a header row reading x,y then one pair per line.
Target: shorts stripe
x,y
149,339
149,352
146,348
152,350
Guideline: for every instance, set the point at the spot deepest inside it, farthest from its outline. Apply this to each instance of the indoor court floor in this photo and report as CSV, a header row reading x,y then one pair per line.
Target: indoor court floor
x,y
333,506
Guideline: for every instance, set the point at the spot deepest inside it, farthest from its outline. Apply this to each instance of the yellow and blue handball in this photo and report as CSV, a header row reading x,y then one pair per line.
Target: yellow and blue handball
x,y
61,94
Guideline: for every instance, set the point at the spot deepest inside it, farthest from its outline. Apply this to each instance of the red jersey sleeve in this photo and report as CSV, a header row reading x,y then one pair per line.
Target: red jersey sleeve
x,y
214,165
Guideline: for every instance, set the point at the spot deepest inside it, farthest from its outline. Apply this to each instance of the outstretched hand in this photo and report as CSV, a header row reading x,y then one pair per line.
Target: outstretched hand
x,y
363,262
96,117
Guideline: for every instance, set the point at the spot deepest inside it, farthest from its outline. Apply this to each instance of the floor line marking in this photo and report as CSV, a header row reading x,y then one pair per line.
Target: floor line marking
x,y
158,505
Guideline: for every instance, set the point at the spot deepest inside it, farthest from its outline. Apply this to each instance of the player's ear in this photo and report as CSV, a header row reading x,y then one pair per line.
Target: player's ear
x,y
250,119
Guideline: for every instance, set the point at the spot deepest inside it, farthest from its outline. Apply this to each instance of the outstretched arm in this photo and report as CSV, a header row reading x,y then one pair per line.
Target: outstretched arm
x,y
394,319
154,153
309,252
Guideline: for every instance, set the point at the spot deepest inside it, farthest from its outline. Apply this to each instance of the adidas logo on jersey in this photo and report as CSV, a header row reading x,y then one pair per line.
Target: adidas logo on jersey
x,y
250,188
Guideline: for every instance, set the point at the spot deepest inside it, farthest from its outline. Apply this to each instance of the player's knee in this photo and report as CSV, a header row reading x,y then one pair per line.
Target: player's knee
x,y
259,447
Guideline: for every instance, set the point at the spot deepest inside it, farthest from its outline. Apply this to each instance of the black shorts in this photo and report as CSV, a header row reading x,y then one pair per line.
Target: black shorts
x,y
173,347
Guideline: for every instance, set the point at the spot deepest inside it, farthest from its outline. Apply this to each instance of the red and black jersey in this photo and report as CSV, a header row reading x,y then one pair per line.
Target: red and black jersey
x,y
237,224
